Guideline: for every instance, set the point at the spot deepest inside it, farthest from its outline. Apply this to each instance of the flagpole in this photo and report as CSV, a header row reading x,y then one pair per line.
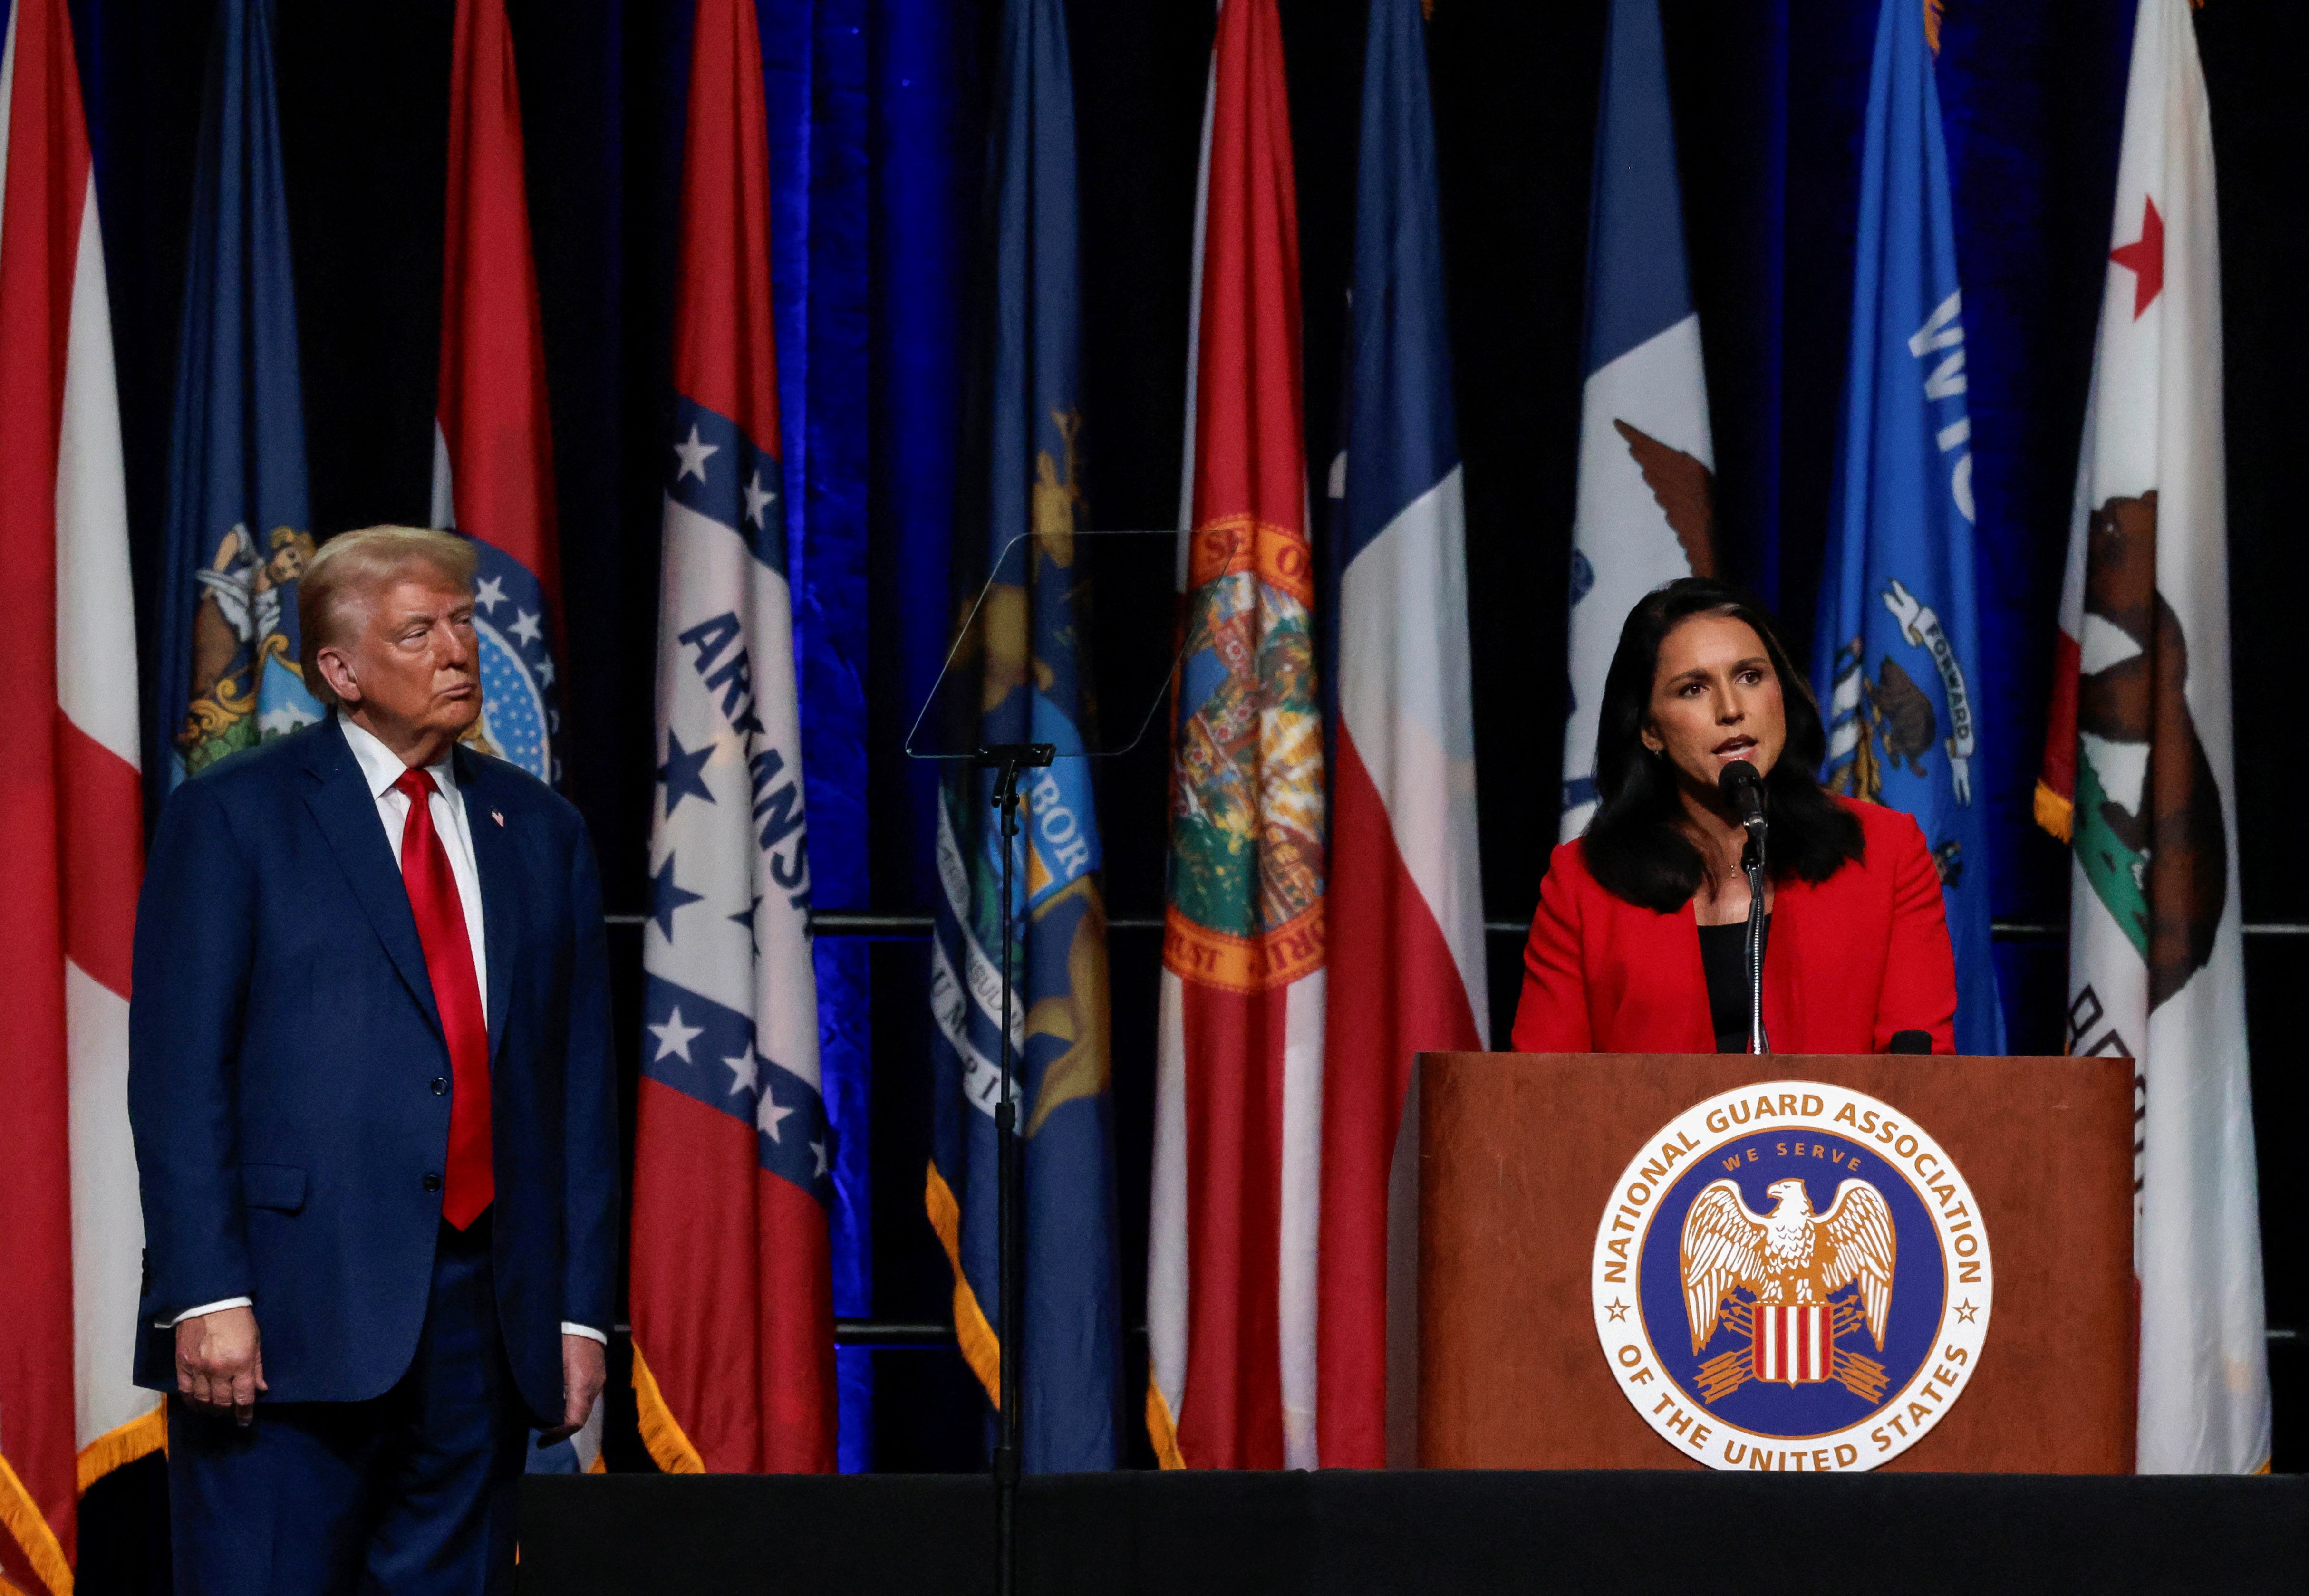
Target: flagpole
x,y
1006,760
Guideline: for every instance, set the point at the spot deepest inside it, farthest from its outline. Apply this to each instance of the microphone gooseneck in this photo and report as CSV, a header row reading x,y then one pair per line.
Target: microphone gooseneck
x,y
1743,794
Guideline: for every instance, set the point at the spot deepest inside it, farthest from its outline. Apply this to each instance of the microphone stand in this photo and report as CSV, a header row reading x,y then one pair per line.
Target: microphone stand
x,y
1751,861
1006,760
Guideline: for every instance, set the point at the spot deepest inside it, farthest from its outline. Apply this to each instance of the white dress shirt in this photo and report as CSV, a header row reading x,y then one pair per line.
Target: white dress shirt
x,y
382,768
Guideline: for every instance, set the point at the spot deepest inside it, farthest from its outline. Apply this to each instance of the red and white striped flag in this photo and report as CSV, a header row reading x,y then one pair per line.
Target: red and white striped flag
x,y
71,808
1231,1265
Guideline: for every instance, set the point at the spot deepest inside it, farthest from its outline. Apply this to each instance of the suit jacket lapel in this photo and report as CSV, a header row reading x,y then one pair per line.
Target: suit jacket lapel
x,y
346,809
497,859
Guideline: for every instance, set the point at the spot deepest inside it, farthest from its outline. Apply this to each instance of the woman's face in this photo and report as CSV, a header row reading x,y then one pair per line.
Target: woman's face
x,y
1714,699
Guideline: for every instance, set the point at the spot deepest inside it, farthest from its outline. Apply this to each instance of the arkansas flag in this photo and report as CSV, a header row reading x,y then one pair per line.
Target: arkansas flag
x,y
732,1294
1407,911
72,808
2140,774
1231,1263
492,438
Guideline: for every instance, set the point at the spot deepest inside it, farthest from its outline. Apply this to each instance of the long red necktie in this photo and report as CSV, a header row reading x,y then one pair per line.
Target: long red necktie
x,y
470,1182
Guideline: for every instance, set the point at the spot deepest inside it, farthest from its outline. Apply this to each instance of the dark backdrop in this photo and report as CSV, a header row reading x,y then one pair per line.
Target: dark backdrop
x,y
1769,97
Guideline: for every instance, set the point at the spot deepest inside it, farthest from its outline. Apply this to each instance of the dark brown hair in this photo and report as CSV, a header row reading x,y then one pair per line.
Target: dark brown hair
x,y
1634,846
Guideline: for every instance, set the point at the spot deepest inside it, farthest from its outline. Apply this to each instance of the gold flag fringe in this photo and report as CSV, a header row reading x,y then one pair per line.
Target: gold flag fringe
x,y
124,1445
662,1432
2055,813
22,1517
981,1348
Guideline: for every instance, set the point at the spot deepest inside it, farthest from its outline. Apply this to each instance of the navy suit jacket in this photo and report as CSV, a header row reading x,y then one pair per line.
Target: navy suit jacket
x,y
284,1051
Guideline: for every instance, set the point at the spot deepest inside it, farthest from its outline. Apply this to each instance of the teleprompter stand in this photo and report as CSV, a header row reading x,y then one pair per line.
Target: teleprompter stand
x,y
1006,760
1136,574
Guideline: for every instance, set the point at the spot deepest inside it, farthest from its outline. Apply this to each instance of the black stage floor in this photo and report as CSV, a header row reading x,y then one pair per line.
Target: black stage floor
x,y
1344,1533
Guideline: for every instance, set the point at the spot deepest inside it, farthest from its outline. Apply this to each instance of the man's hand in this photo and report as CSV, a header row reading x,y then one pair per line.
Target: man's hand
x,y
584,1370
220,1366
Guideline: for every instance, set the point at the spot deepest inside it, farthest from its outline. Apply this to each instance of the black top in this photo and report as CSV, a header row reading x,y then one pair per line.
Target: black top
x,y
1723,958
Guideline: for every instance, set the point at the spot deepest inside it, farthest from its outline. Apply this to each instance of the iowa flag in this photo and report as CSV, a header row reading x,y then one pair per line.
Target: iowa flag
x,y
1405,902
492,438
2139,774
1230,1265
72,806
732,1290
1645,507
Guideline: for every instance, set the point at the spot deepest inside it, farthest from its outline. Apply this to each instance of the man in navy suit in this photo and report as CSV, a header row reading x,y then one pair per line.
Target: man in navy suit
x,y
374,1114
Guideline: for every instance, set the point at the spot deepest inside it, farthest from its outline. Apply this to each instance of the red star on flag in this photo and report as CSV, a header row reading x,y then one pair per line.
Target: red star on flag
x,y
2144,257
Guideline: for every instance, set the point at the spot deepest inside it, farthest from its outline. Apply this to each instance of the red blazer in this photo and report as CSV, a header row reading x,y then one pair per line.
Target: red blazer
x,y
1851,961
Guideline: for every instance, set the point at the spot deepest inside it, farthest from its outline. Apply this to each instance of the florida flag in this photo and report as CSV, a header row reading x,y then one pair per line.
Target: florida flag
x,y
1238,1115
732,1297
2140,774
1405,902
72,807
492,440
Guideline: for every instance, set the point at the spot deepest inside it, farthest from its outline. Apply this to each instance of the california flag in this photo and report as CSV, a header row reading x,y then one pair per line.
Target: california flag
x,y
2139,775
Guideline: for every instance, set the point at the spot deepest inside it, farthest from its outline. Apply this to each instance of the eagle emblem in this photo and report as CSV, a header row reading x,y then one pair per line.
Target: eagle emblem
x,y
1790,1262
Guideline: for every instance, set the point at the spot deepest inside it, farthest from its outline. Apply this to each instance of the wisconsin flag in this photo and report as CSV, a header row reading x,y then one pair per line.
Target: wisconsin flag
x,y
731,1294
1645,508
240,522
1032,688
492,438
1238,1125
1897,631
2140,774
1406,902
72,809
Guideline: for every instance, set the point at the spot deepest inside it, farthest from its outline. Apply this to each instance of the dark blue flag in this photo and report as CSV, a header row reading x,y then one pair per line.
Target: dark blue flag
x,y
1031,689
1897,628
240,524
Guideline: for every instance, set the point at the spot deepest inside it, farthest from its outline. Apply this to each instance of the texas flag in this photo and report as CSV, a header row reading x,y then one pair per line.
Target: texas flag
x,y
1407,912
492,439
71,806
732,1293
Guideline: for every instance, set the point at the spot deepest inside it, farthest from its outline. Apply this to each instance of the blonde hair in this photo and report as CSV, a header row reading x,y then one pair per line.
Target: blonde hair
x,y
350,567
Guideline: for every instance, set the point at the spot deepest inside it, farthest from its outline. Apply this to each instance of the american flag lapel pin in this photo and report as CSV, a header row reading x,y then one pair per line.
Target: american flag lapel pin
x,y
497,815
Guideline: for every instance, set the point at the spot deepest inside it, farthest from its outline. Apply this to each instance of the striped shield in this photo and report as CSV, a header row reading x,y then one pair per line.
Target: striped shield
x,y
1795,1343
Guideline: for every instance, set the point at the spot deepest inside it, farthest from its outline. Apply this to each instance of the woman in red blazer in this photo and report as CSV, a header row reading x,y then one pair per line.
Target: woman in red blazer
x,y
1638,946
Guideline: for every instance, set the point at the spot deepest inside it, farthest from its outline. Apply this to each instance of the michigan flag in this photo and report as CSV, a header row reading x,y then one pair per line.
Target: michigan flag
x,y
240,522
1645,507
1031,689
2139,774
732,1293
1897,631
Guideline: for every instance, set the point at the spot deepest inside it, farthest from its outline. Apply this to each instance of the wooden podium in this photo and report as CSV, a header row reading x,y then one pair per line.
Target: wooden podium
x,y
1508,1161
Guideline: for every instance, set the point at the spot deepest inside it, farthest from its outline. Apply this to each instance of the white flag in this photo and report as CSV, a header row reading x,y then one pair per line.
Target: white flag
x,y
2139,774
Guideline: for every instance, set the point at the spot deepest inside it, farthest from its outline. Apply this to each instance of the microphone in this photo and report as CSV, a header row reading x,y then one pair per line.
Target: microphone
x,y
1912,1041
1743,794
